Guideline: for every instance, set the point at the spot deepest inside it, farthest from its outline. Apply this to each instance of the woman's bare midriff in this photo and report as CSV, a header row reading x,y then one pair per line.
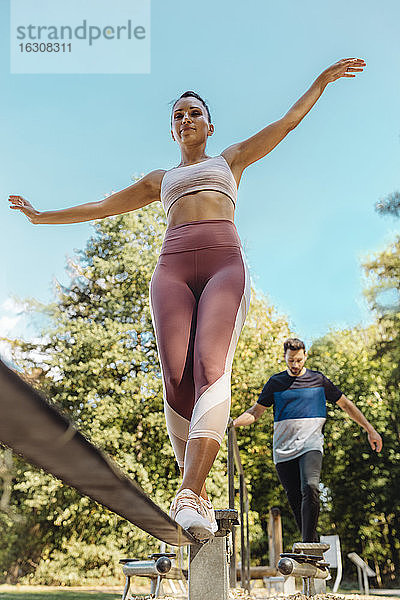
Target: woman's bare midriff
x,y
201,206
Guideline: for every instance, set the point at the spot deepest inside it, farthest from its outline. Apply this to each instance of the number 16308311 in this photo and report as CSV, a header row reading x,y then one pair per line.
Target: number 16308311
x,y
45,47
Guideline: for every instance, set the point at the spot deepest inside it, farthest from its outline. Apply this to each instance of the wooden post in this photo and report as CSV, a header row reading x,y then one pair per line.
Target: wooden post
x,y
275,543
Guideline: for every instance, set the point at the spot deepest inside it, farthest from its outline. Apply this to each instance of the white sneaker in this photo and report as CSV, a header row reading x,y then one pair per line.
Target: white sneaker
x,y
209,513
187,510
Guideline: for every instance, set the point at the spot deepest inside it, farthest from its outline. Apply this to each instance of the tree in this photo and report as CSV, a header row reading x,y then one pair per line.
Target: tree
x,y
99,366
383,292
97,362
260,354
361,487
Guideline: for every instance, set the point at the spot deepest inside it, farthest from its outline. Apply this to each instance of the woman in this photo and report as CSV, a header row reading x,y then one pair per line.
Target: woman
x,y
200,289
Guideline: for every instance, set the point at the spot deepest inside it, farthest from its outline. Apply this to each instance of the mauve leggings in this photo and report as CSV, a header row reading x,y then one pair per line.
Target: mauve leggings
x,y
300,478
199,298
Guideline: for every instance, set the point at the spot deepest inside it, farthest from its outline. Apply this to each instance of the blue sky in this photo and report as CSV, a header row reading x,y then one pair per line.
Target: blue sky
x,y
305,212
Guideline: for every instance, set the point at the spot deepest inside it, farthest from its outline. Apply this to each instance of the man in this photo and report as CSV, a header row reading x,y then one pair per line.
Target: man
x,y
298,396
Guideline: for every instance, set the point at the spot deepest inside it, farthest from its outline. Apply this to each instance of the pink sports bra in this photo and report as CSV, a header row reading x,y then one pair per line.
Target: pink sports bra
x,y
213,173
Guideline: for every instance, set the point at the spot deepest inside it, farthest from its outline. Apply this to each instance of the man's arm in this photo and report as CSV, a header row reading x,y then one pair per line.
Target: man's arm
x,y
250,415
375,440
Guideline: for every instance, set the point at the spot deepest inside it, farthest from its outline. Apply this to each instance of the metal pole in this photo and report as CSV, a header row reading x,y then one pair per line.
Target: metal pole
x,y
339,566
233,562
359,577
247,549
231,491
366,583
231,470
126,588
242,542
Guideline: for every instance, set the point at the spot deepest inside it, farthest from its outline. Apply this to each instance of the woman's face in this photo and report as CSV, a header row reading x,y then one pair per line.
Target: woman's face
x,y
190,124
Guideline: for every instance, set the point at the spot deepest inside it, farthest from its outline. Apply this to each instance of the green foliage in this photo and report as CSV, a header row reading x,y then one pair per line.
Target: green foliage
x,y
64,567
361,486
383,294
98,364
260,354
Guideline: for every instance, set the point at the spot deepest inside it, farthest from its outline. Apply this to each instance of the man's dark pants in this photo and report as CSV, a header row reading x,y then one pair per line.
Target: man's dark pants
x,y
300,479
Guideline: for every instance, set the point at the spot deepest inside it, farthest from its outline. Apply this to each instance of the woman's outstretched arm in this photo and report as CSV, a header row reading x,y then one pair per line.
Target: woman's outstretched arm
x,y
142,192
243,154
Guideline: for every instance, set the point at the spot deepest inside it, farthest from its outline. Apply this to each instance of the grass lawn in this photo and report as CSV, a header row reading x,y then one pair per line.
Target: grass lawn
x,y
8,592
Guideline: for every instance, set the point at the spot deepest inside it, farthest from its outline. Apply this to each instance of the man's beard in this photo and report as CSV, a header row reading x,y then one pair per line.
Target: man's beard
x,y
296,372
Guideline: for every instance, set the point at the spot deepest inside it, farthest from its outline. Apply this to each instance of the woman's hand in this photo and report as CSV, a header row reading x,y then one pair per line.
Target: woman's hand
x,y
19,203
343,68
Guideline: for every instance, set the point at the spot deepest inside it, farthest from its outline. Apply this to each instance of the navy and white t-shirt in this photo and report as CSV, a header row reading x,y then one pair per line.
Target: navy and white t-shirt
x,y
299,411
